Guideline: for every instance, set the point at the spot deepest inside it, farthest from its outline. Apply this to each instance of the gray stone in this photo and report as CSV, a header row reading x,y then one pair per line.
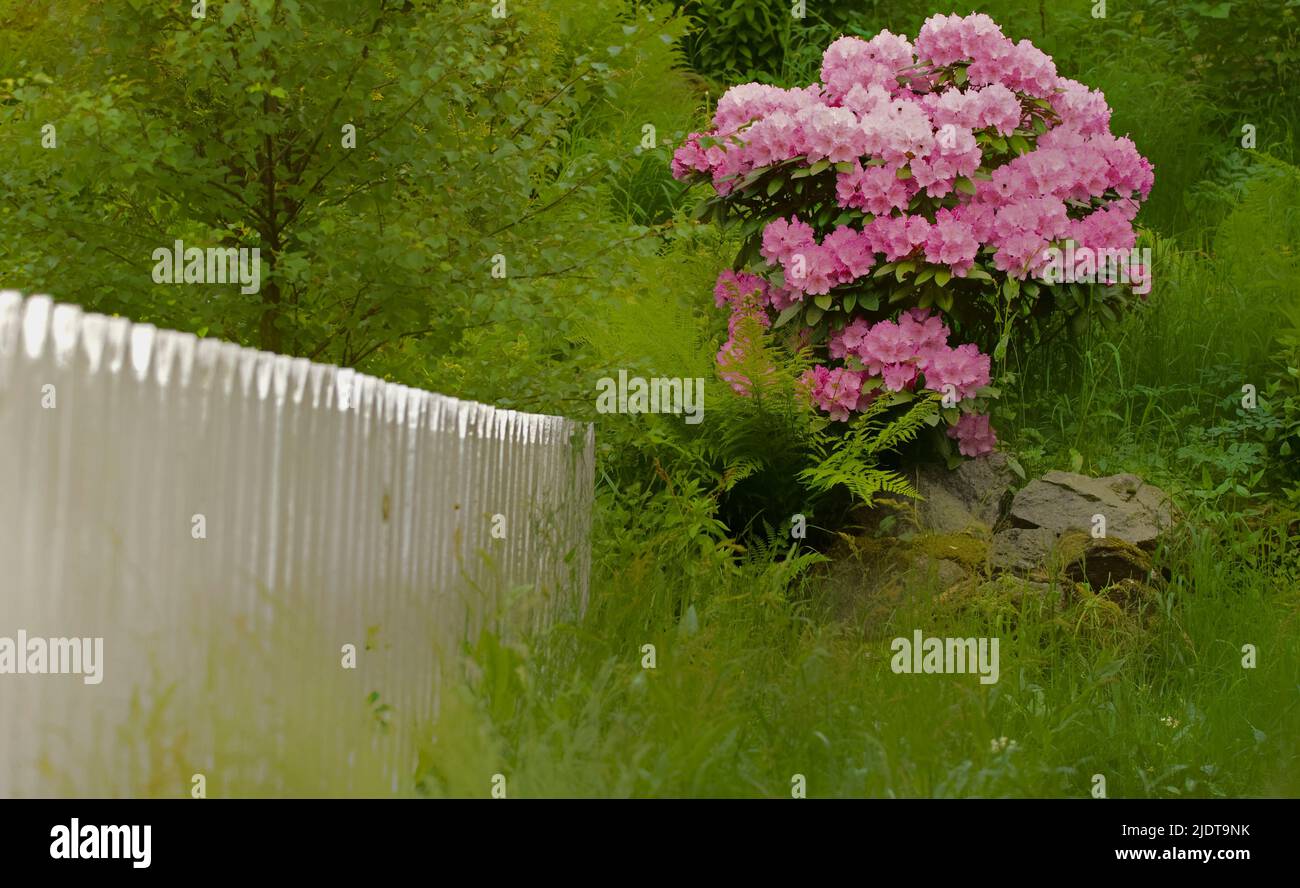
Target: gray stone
x,y
1135,511
969,497
1021,550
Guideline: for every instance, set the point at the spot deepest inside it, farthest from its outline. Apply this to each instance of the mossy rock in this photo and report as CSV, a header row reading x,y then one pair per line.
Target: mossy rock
x,y
1003,597
969,551
1100,562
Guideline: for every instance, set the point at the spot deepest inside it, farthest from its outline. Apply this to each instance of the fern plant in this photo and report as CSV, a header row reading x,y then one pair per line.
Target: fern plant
x,y
853,459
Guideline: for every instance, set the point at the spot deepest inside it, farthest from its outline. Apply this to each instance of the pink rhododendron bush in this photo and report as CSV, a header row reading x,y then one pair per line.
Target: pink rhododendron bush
x,y
906,215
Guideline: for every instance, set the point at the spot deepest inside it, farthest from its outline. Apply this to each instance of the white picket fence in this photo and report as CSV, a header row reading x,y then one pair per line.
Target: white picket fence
x,y
228,521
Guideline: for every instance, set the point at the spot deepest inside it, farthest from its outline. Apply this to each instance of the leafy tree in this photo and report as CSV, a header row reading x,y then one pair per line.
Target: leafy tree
x,y
475,136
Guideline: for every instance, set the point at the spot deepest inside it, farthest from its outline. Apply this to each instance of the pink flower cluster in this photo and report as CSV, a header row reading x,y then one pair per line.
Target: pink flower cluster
x,y
847,254
993,58
916,345
878,108
899,353
838,391
974,435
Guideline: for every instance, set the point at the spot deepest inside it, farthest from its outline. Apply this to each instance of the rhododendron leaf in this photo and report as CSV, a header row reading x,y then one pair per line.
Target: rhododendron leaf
x,y
818,167
903,269
925,275
944,299
824,302
785,316
774,185
903,173
812,316
869,301
942,276
850,301
844,166
884,270
951,415
932,420
965,185
978,274
926,300
959,76
899,294
1011,288
1020,144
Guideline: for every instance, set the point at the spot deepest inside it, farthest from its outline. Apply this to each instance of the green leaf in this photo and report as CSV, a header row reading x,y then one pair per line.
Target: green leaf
x,y
812,316
869,301
824,302
774,185
965,185
1000,350
942,276
786,314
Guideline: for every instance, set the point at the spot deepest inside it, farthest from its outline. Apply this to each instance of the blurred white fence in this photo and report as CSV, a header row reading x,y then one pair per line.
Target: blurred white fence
x,y
228,521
